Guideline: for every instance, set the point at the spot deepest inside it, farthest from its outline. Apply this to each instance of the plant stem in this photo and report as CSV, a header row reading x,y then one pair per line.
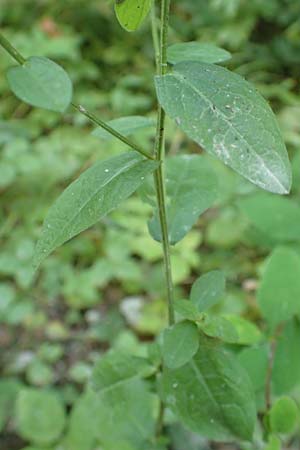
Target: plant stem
x,y
112,131
11,50
159,151
20,59
272,353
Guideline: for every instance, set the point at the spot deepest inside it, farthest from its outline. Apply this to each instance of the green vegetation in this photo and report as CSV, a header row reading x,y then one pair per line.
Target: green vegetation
x,y
172,321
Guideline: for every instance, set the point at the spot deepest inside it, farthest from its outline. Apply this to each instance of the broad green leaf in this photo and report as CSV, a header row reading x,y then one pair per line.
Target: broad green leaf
x,y
219,327
274,443
41,82
247,332
126,415
208,289
124,125
120,390
286,370
187,310
226,116
197,51
131,13
179,344
211,394
40,416
191,187
284,415
9,388
277,217
255,361
279,291
117,367
81,431
94,194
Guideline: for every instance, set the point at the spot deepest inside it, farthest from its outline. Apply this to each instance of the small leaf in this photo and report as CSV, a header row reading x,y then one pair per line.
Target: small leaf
x,y
131,13
279,292
229,119
94,194
124,125
211,394
180,343
283,416
208,289
277,217
41,82
40,416
247,332
197,51
117,367
191,189
219,327
187,310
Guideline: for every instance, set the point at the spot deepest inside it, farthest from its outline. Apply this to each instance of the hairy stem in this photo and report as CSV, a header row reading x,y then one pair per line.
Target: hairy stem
x,y
21,60
159,151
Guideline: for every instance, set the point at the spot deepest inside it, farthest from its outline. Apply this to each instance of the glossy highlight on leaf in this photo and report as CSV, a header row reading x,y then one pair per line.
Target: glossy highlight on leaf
x,y
131,13
94,194
41,82
197,51
228,118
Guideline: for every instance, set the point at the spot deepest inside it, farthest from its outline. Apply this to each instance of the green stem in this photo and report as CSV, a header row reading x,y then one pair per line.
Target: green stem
x,y
159,151
11,50
19,58
111,130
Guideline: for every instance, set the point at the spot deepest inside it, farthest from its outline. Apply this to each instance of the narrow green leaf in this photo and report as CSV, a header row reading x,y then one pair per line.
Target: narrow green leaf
x,y
211,394
124,125
191,187
197,51
180,343
94,194
277,217
284,415
208,289
41,82
279,292
131,13
117,367
40,416
226,116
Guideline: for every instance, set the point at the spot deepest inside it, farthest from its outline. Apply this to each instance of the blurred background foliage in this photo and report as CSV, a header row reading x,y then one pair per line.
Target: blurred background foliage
x,y
105,288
